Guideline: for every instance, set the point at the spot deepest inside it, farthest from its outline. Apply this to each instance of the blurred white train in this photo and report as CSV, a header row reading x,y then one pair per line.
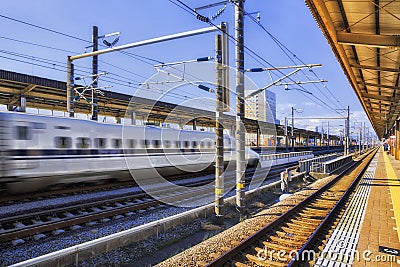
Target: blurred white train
x,y
38,152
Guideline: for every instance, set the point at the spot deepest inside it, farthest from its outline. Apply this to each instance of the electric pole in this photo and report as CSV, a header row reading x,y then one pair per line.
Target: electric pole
x,y
70,88
95,72
348,131
292,129
286,135
219,162
240,133
329,140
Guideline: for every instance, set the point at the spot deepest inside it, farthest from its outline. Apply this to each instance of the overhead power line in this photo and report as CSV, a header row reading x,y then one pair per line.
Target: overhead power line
x,y
43,28
283,47
256,57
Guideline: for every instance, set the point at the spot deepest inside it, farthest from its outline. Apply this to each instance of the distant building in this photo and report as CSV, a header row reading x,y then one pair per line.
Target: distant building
x,y
256,106
270,97
262,107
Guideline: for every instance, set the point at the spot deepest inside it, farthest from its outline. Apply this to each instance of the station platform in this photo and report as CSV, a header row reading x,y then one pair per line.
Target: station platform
x,y
368,232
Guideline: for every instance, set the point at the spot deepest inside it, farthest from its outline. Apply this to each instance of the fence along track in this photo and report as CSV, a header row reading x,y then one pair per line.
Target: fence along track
x,y
276,243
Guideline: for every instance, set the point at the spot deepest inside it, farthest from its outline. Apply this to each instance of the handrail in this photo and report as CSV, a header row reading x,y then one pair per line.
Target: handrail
x,y
285,155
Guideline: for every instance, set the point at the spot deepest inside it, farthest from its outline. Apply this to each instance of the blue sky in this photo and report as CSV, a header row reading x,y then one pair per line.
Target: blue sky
x,y
288,21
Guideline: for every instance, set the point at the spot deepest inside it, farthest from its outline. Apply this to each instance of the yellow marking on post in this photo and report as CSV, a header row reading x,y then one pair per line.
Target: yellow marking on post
x,y
218,191
394,185
240,185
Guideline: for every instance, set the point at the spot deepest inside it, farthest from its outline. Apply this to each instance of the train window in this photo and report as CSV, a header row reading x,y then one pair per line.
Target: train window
x,y
23,133
100,142
146,143
195,144
176,143
210,144
63,141
83,142
62,127
186,144
116,143
141,143
156,143
167,143
132,143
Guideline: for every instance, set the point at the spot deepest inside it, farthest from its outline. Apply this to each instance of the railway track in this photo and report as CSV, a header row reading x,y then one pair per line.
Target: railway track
x,y
279,242
81,188
37,224
72,189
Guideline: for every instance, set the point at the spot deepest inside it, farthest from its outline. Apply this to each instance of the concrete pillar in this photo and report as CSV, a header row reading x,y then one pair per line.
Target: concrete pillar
x,y
194,124
22,104
133,118
232,130
397,139
118,119
391,143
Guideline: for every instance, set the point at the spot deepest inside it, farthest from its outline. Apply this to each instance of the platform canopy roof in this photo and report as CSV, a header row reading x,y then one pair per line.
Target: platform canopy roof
x,y
365,37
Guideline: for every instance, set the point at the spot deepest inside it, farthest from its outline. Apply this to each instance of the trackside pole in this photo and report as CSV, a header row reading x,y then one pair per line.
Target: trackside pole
x,y
219,162
240,131
70,87
222,104
95,72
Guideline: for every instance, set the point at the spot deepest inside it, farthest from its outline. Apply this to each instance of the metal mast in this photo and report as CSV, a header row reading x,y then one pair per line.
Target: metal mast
x,y
95,72
292,133
240,109
221,84
347,143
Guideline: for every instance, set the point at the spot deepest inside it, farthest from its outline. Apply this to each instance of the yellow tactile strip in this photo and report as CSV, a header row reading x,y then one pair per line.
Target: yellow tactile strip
x,y
394,185
379,225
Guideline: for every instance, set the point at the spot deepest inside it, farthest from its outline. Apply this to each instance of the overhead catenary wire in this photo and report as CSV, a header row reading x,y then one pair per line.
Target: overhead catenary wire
x,y
81,39
135,56
255,56
302,90
283,48
124,83
61,68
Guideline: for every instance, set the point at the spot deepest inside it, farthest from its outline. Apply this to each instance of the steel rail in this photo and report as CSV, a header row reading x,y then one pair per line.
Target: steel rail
x,y
294,262
64,222
228,255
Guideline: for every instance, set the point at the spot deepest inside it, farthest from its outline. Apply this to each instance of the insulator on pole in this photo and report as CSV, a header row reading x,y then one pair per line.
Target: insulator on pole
x,y
256,70
205,88
203,59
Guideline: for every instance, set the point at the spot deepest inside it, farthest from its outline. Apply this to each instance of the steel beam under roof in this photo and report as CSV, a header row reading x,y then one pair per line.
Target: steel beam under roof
x,y
364,36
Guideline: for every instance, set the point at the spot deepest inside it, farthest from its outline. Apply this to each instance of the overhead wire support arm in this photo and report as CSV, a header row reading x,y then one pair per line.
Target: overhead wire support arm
x,y
271,84
70,59
147,42
277,82
181,80
92,75
200,59
212,5
300,82
283,68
